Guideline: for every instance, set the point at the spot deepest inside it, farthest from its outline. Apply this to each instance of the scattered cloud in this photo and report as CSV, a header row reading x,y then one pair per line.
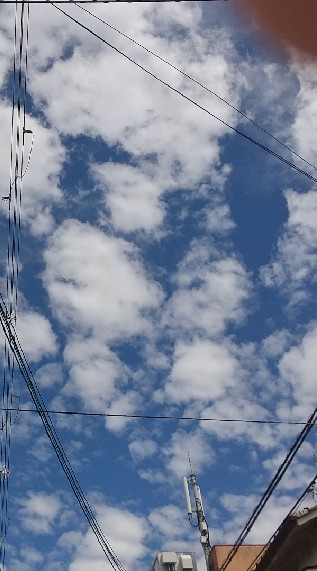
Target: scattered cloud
x,y
86,268
38,512
295,261
202,370
138,296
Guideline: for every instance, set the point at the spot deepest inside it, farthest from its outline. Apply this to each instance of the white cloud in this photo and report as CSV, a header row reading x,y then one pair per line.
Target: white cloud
x,y
298,368
153,476
296,258
194,443
212,290
140,449
36,335
94,372
49,375
218,219
126,403
302,133
132,197
142,143
41,449
275,344
202,370
100,380
38,512
126,533
239,404
158,128
299,473
31,556
96,282
41,179
5,45
169,522
240,507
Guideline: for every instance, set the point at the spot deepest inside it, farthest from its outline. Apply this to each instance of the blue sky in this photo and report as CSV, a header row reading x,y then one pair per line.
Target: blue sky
x,y
167,268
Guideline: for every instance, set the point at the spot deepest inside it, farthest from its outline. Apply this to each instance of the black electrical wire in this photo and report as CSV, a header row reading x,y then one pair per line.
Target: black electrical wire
x,y
27,374
271,487
21,24
163,417
237,131
244,115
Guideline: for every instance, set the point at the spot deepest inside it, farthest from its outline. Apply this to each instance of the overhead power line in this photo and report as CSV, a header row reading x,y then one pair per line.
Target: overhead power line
x,y
187,98
271,487
13,341
164,417
188,76
13,200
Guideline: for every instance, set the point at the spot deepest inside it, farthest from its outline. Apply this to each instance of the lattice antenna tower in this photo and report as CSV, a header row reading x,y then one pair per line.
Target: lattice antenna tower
x,y
198,510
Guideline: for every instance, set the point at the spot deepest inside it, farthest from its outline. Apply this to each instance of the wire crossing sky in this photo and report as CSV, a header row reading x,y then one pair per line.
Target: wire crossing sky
x,y
244,135
198,83
27,375
166,281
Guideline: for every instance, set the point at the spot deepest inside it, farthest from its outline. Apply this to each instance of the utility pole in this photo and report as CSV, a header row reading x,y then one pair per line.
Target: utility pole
x,y
199,511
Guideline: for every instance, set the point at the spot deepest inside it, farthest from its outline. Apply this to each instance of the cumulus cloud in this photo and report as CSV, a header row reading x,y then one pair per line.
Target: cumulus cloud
x,y
181,443
129,345
202,370
100,380
171,144
240,405
218,219
126,533
49,375
240,507
94,371
38,512
36,335
97,283
140,449
41,178
297,367
5,44
211,291
170,526
302,134
132,196
296,258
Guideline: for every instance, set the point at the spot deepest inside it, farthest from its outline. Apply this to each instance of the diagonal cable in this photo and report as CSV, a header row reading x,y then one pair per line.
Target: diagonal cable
x,y
27,374
192,101
271,487
188,76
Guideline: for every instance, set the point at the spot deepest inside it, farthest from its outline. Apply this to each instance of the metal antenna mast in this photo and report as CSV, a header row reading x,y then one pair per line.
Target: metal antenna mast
x,y
201,519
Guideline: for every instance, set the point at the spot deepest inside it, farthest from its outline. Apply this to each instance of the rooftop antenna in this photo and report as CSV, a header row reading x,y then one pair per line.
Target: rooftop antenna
x,y
199,511
190,463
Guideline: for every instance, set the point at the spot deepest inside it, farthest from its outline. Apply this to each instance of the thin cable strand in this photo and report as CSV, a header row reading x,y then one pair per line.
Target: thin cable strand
x,y
164,417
